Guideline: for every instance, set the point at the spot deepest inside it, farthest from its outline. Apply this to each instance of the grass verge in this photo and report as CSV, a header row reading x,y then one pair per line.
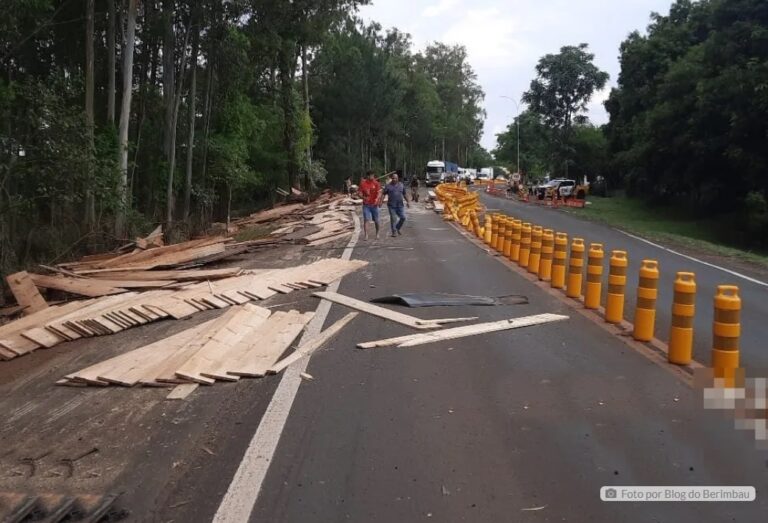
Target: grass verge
x,y
668,225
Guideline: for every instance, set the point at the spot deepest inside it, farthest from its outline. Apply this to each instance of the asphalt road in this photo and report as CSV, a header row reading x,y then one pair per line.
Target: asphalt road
x,y
754,296
489,427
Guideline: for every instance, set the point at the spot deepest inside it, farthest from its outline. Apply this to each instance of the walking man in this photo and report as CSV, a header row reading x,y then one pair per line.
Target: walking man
x,y
396,201
370,188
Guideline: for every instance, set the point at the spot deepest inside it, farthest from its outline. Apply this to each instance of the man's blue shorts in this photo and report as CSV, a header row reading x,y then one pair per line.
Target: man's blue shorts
x,y
370,212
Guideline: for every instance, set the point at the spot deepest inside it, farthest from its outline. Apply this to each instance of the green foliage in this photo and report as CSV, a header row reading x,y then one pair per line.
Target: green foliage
x,y
690,115
378,105
564,85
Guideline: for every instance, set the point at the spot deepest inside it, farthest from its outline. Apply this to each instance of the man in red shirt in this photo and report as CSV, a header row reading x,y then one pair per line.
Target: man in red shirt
x,y
370,188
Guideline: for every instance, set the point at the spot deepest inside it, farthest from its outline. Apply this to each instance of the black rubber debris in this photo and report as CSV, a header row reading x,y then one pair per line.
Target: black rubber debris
x,y
436,299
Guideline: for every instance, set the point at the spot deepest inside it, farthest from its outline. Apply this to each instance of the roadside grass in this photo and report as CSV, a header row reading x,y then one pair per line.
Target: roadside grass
x,y
669,225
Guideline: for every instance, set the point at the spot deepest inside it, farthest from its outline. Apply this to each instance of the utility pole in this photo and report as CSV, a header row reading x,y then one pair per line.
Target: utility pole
x,y
517,120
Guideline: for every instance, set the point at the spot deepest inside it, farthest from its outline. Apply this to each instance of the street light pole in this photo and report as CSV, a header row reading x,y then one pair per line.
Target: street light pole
x,y
517,120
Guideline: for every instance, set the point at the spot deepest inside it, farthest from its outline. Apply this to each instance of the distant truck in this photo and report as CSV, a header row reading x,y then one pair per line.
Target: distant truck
x,y
486,173
440,172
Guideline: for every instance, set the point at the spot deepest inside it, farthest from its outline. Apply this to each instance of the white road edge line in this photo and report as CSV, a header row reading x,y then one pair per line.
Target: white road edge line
x,y
729,271
243,491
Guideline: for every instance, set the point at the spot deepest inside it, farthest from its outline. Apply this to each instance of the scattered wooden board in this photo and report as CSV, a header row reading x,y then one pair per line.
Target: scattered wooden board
x,y
80,286
204,365
461,332
181,391
375,310
272,341
312,345
25,292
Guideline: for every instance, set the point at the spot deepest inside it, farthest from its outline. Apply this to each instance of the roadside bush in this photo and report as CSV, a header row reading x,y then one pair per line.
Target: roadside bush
x,y
756,218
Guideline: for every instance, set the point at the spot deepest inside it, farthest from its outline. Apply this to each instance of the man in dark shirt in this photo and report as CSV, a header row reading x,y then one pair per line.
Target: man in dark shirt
x,y
397,200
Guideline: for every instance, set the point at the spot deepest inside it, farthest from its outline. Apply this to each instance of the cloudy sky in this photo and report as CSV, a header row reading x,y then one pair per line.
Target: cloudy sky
x,y
505,39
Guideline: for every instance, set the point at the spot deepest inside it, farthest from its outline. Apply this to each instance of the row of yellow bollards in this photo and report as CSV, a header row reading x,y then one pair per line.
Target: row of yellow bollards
x,y
544,252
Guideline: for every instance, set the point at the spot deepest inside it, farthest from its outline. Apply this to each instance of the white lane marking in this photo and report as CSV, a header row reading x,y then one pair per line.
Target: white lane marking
x,y
729,271
243,491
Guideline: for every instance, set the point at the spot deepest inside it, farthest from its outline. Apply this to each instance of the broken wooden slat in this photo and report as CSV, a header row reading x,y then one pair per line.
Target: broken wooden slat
x,y
181,391
25,292
461,332
375,310
312,345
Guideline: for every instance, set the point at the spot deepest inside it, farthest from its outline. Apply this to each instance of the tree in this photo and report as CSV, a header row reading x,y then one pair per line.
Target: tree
x,y
125,116
564,85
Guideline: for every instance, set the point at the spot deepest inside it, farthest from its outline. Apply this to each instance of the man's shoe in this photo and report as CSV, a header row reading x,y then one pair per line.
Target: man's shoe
x,y
399,233
394,235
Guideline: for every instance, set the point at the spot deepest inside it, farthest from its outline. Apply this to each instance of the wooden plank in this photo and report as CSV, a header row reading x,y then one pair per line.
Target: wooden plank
x,y
313,344
375,310
204,364
170,275
211,361
461,332
166,372
181,391
113,365
79,286
270,344
25,292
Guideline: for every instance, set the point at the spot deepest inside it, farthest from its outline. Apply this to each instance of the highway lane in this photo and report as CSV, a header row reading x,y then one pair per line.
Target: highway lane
x,y
483,428
754,317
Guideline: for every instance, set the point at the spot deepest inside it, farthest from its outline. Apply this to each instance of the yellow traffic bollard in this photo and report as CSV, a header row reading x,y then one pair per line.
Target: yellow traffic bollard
x,y
575,269
517,230
525,245
495,230
488,229
594,288
617,282
647,292
547,249
508,238
534,259
558,260
726,331
502,233
683,310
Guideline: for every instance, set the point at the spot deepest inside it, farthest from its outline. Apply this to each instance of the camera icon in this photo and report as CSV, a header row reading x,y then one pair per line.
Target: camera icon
x,y
610,493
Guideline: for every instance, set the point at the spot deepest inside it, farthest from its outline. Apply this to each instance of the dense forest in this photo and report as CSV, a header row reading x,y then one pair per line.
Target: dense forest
x,y
118,115
688,119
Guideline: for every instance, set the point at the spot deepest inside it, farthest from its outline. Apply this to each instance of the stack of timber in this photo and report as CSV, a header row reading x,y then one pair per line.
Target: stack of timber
x,y
245,341
115,313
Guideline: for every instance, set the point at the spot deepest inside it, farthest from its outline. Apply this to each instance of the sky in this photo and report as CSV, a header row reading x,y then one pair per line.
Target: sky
x,y
506,38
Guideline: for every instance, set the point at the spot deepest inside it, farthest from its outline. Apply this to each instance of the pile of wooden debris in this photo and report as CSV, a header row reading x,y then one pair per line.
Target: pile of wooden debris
x,y
146,263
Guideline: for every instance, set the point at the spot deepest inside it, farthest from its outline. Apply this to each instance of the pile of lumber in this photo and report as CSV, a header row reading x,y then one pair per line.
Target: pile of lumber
x,y
111,314
319,222
245,341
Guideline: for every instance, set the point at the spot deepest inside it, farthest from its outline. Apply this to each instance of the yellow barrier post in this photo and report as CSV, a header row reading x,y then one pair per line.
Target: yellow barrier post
x,y
517,231
575,269
488,229
547,250
647,292
558,260
525,245
502,233
726,331
683,310
495,230
594,288
534,259
508,238
617,282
